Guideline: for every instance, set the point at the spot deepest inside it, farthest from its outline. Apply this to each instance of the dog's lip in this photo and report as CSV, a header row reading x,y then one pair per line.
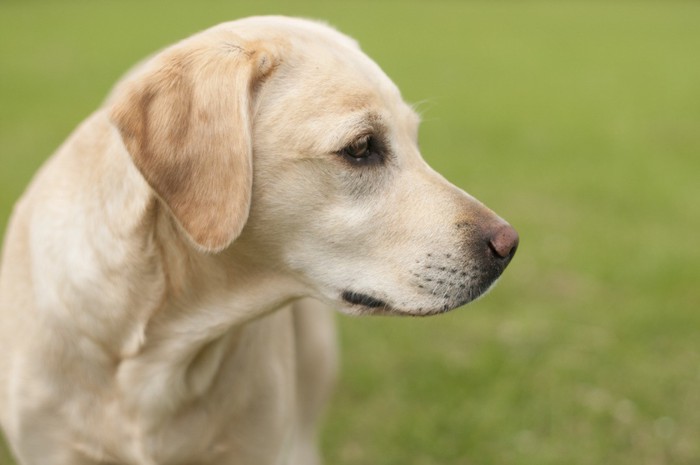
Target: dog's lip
x,y
364,300
375,306
369,305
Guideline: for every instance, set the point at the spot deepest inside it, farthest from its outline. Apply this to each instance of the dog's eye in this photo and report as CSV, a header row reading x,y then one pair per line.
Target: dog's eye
x,y
365,151
358,149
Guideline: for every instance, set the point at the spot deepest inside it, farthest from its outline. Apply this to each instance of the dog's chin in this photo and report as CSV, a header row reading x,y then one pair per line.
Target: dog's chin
x,y
359,303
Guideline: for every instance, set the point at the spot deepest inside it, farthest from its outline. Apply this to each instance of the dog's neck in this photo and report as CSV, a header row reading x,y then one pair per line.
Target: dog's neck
x,y
151,319
175,354
163,312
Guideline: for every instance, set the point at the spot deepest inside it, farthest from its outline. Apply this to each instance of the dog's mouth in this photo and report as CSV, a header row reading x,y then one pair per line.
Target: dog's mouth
x,y
435,293
364,300
439,283
366,304
357,298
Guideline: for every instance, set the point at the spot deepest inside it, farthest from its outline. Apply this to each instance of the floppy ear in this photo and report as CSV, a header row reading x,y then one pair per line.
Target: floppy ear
x,y
186,122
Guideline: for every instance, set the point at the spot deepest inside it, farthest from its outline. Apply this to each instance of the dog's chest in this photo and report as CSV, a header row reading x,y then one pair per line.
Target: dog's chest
x,y
247,414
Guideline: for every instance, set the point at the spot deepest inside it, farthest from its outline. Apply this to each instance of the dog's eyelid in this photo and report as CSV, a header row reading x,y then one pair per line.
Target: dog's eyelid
x,y
365,150
365,141
369,129
357,136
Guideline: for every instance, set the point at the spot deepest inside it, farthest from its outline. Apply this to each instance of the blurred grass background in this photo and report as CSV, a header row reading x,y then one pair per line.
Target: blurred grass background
x,y
579,122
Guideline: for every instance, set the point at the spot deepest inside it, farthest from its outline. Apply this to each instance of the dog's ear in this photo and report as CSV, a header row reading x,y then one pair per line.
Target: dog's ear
x,y
186,122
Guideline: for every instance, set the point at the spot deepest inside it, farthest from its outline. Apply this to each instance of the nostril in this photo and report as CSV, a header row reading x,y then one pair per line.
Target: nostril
x,y
504,241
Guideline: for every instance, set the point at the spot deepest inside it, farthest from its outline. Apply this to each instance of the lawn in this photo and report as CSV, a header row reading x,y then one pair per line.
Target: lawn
x,y
579,122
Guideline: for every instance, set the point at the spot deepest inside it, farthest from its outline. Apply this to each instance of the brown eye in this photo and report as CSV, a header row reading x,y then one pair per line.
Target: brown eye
x,y
359,149
366,151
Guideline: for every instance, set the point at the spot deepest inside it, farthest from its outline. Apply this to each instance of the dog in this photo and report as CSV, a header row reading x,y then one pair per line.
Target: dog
x,y
167,276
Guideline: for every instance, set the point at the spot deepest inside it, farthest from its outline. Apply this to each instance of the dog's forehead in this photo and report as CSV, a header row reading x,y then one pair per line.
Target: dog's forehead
x,y
325,88
320,57
327,107
259,27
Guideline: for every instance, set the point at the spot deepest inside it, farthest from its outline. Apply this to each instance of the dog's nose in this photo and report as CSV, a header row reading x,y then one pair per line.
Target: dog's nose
x,y
503,241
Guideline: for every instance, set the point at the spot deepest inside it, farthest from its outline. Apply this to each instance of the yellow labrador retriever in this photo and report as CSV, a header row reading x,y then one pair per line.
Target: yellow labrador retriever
x,y
154,274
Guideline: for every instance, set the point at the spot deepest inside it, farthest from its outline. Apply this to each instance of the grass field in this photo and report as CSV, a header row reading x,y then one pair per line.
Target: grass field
x,y
579,122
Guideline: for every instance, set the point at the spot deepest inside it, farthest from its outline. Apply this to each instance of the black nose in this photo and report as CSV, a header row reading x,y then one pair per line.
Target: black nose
x,y
503,241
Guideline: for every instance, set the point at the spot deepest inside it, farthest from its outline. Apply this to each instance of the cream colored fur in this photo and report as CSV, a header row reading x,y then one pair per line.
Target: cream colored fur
x,y
156,274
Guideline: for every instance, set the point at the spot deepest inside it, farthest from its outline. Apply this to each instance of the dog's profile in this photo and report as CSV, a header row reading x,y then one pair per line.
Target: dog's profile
x,y
167,276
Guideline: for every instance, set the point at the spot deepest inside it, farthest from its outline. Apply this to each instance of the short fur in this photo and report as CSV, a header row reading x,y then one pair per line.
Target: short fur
x,y
157,273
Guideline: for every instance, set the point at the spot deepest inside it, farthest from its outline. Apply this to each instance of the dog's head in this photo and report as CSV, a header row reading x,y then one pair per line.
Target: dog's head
x,y
282,135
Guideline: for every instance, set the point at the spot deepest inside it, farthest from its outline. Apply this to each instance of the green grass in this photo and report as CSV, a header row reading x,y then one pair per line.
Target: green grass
x,y
578,122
